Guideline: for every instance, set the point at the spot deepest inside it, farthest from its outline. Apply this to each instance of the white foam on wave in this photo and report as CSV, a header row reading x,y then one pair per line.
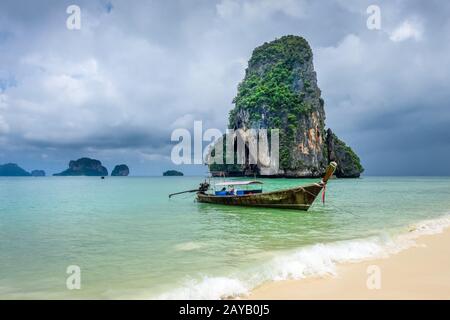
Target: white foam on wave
x,y
428,227
209,288
321,259
315,260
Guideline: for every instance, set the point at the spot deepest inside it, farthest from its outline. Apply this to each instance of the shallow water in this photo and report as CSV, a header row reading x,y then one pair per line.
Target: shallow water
x,y
131,241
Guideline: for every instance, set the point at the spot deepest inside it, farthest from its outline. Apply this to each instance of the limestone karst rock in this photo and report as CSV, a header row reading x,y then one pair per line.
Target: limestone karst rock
x,y
120,170
279,91
84,167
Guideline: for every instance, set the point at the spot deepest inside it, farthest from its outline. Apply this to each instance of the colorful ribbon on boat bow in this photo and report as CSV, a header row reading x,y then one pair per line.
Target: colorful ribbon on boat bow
x,y
323,193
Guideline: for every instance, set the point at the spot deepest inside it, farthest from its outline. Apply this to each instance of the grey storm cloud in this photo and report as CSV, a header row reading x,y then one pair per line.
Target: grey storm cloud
x,y
137,70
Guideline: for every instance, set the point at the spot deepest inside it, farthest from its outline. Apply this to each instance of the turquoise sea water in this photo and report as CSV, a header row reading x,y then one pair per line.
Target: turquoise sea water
x,y
131,241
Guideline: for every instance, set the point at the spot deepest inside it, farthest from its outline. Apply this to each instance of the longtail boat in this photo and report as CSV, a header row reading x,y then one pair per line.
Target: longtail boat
x,y
299,198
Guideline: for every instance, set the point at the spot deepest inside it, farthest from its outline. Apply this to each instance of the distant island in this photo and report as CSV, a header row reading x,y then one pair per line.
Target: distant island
x,y
13,170
38,173
120,170
84,167
172,173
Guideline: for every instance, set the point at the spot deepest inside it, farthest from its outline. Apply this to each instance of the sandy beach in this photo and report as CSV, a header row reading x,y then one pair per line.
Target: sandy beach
x,y
420,272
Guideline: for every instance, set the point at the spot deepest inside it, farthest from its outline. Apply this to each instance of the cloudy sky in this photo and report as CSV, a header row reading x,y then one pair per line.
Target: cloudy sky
x,y
115,89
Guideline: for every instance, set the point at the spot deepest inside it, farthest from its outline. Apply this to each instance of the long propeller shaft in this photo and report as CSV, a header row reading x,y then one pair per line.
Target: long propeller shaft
x,y
187,191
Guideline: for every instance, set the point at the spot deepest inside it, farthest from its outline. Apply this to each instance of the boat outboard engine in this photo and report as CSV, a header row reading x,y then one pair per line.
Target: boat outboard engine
x,y
204,186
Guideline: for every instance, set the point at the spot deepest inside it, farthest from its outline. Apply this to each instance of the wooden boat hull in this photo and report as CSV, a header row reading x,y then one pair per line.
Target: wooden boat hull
x,y
298,198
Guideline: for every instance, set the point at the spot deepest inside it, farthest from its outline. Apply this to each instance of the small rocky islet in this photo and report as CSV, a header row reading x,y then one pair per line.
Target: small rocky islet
x,y
38,173
84,167
173,173
92,168
120,170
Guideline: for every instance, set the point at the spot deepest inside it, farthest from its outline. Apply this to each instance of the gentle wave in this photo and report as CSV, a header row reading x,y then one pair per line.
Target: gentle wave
x,y
316,260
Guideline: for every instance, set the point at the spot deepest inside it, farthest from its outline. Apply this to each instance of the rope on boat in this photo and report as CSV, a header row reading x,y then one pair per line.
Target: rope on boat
x,y
322,185
306,191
